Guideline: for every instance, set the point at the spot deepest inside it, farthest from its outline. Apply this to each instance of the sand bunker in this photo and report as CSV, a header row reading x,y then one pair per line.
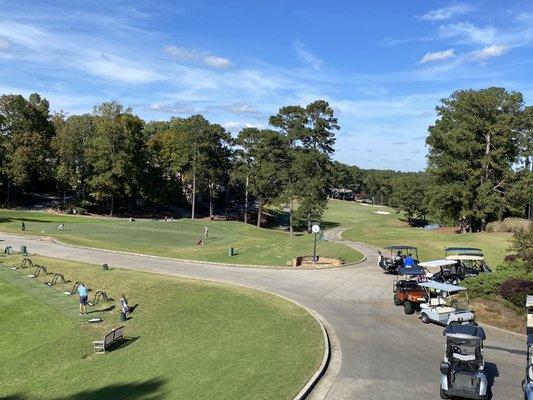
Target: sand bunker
x,y
381,212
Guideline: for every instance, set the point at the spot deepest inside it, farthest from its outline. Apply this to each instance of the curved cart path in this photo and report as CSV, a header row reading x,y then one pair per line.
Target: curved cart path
x,y
385,354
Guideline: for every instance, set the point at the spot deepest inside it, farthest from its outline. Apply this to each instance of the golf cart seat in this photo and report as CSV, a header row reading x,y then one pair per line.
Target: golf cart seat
x,y
407,284
437,301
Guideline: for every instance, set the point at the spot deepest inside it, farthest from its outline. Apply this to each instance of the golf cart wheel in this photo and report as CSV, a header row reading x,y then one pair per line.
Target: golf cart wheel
x,y
397,301
408,307
473,323
443,395
425,319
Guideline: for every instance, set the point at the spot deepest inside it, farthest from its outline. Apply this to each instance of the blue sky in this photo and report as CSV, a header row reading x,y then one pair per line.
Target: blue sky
x,y
382,65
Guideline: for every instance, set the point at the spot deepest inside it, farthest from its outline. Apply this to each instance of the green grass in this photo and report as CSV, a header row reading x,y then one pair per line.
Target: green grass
x,y
189,339
383,230
254,246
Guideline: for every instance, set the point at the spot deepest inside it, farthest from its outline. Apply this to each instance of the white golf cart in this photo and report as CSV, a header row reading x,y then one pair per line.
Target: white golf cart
x,y
447,304
444,271
463,367
527,383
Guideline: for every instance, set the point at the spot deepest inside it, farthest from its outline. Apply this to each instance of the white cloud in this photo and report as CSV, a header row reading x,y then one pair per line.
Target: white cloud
x,y
446,12
235,126
468,33
173,108
182,53
241,108
306,56
4,43
217,62
438,56
495,50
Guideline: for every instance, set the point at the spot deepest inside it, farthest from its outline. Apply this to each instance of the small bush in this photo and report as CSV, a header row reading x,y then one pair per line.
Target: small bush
x,y
488,285
516,290
509,225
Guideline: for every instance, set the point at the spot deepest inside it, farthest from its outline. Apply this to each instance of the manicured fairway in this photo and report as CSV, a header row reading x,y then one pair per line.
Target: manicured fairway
x,y
383,230
188,339
254,246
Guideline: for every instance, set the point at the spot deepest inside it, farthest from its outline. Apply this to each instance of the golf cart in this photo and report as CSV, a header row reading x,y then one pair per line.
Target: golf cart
x,y
398,254
462,370
407,291
527,383
448,305
470,264
444,271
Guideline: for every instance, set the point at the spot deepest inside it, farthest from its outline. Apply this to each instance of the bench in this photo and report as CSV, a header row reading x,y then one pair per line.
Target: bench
x,y
116,335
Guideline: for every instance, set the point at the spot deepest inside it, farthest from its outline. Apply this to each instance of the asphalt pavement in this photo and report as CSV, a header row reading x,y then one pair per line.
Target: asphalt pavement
x,y
385,353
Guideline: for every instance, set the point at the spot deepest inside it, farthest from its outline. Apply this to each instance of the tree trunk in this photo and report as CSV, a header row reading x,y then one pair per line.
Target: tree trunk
x,y
112,206
246,201
259,211
210,200
8,191
226,203
381,203
291,230
193,206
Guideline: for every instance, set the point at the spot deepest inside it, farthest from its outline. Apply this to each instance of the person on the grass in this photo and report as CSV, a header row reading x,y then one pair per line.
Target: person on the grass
x,y
409,261
84,297
206,232
124,305
23,225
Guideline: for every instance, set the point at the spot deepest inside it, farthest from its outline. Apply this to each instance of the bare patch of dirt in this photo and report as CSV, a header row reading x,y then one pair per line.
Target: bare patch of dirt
x,y
496,314
448,229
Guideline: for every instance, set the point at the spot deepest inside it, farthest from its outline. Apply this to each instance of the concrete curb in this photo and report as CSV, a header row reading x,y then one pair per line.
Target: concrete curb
x,y
49,238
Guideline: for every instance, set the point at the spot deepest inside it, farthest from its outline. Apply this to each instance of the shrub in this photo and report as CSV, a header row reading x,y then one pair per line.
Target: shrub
x,y
522,244
488,285
516,290
509,225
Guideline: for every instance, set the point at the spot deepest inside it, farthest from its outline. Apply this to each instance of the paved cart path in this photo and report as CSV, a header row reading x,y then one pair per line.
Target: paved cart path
x,y
385,354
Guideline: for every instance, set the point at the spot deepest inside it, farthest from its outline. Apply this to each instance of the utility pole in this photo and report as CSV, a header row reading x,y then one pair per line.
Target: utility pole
x,y
193,181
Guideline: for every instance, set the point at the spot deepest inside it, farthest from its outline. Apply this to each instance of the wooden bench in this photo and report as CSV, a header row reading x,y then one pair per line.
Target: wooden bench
x,y
116,335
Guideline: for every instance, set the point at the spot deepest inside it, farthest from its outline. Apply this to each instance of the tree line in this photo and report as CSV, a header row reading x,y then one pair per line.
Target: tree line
x,y
111,158
478,163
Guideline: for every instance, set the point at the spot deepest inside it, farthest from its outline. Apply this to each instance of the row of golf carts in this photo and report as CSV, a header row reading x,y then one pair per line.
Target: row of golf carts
x,y
432,288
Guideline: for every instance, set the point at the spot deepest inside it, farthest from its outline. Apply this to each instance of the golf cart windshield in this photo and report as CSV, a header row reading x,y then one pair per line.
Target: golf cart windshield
x,y
458,300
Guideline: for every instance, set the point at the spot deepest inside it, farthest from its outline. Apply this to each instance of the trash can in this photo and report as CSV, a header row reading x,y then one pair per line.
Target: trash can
x,y
23,250
8,250
230,251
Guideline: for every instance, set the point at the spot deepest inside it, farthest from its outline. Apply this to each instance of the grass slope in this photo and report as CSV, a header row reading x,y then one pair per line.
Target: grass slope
x,y
383,230
255,246
188,339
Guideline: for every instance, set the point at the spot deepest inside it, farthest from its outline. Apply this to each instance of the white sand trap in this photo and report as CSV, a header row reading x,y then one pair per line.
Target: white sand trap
x,y
364,204
381,212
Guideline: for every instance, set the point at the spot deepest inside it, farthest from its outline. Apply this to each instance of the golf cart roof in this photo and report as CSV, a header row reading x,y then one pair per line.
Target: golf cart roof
x,y
437,263
465,257
467,331
463,250
411,271
529,301
445,287
400,247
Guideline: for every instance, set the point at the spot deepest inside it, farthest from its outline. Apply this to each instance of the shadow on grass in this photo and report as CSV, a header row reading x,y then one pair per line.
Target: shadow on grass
x,y
9,219
152,389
